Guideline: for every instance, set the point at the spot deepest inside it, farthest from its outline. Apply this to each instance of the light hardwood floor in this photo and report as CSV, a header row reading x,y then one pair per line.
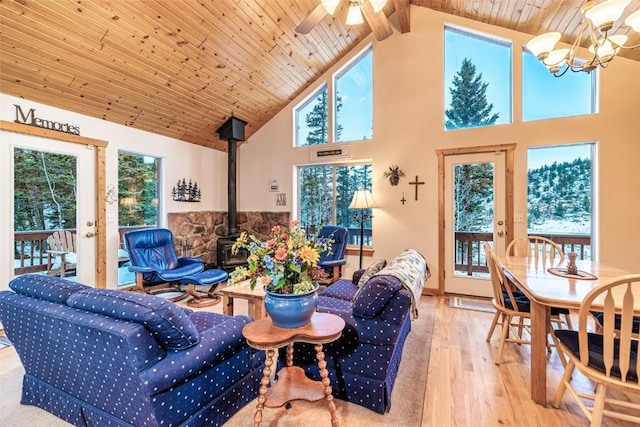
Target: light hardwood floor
x,y
465,387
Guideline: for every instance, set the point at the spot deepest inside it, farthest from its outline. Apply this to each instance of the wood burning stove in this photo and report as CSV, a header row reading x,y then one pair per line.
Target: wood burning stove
x,y
233,131
227,260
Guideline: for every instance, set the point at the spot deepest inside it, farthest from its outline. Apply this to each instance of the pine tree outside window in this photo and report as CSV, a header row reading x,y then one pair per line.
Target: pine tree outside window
x,y
311,120
325,193
137,190
354,100
477,79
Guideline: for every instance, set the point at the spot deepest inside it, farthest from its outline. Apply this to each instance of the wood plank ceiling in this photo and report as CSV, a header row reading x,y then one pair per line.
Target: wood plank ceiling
x,y
181,68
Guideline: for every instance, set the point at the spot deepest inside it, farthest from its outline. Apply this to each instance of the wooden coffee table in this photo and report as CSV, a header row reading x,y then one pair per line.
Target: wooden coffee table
x,y
292,382
242,290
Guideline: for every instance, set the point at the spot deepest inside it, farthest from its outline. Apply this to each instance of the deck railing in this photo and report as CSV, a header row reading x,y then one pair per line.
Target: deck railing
x,y
470,258
30,248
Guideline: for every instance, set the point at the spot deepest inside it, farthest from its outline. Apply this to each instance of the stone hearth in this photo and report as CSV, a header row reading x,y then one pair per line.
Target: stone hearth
x,y
196,233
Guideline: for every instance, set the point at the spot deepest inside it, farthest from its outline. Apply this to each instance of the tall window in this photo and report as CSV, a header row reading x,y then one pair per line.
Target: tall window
x,y
559,196
546,97
137,190
477,78
353,106
311,120
138,178
325,193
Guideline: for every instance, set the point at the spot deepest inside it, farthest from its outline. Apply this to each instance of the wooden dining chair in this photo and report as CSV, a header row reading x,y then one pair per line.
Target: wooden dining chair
x,y
609,359
540,248
513,308
546,252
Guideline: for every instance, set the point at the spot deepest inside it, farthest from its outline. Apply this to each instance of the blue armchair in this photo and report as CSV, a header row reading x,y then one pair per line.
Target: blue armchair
x,y
332,262
159,270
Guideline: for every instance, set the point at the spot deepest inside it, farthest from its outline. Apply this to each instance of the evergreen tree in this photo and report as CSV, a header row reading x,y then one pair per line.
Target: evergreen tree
x,y
473,196
317,122
44,190
137,183
469,105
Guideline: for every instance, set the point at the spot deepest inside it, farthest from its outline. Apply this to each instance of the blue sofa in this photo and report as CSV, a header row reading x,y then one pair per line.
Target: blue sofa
x,y
364,361
98,357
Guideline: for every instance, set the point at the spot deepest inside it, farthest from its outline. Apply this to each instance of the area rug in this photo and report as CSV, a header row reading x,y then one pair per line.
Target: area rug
x,y
406,408
472,304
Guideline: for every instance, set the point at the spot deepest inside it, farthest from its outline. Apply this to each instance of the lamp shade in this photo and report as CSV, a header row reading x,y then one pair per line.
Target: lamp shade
x,y
354,16
541,45
604,14
363,199
633,21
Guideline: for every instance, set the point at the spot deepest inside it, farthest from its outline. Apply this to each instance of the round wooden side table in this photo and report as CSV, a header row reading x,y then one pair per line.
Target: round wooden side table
x,y
292,382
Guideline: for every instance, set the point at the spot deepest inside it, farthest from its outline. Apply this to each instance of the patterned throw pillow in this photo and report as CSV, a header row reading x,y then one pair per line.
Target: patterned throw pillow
x,y
370,271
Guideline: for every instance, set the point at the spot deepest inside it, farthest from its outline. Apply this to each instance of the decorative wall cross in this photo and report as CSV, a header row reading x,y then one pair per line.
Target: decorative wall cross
x,y
403,199
416,183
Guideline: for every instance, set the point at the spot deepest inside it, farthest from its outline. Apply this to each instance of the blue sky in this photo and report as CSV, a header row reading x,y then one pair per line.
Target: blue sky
x,y
537,157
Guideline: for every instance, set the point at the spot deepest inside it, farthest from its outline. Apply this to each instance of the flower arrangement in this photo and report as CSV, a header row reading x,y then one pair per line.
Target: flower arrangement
x,y
286,263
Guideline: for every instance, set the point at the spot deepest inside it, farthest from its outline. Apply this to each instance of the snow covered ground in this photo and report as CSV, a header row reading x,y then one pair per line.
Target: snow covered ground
x,y
561,227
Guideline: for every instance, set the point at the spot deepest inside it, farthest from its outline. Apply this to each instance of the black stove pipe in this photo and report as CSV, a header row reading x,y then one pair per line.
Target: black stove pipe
x,y
233,131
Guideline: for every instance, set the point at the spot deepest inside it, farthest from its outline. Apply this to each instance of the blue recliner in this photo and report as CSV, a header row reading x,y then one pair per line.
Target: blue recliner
x,y
332,262
156,265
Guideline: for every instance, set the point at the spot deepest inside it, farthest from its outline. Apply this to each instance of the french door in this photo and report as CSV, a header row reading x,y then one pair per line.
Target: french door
x,y
54,188
475,213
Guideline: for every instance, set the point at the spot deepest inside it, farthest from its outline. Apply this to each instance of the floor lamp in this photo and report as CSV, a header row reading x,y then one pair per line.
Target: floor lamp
x,y
362,200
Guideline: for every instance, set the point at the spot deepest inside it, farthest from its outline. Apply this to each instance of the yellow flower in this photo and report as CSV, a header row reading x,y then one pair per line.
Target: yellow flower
x,y
308,255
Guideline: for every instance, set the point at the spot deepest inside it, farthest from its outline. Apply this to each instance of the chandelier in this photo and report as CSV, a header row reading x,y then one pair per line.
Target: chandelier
x,y
354,14
598,18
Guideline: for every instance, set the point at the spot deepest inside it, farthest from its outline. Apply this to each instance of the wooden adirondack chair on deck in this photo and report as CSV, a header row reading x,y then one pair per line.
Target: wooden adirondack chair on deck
x,y
61,251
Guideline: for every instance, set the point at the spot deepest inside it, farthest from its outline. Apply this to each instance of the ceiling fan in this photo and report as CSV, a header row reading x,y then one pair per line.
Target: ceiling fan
x,y
372,10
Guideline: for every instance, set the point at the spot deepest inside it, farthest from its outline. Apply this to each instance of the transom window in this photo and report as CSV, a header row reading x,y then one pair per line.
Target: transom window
x,y
350,106
477,80
353,106
547,97
311,120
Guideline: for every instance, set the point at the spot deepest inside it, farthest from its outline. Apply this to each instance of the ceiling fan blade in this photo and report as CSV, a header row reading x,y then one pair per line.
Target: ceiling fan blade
x,y
378,22
311,19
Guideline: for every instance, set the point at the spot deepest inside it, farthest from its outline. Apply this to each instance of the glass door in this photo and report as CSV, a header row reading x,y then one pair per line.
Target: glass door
x,y
54,212
475,214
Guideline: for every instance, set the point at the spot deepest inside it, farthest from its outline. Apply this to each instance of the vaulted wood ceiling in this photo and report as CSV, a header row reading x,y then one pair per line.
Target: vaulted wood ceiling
x,y
181,68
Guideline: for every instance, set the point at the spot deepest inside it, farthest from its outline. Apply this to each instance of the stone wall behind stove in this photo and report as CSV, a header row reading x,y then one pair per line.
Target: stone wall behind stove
x,y
196,233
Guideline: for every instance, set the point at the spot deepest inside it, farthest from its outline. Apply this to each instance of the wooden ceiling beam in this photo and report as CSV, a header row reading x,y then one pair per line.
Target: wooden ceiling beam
x,y
403,14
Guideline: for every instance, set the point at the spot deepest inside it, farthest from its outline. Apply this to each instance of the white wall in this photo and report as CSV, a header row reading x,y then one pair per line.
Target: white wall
x,y
206,166
408,129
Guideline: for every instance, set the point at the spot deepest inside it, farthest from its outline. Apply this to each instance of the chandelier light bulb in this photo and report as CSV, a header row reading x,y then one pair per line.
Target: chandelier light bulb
x,y
354,16
603,15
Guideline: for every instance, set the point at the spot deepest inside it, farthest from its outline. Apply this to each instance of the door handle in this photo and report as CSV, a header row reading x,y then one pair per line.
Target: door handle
x,y
90,234
500,233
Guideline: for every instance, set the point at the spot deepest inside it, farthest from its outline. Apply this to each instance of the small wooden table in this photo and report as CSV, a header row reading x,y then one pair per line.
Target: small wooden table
x,y
292,382
242,290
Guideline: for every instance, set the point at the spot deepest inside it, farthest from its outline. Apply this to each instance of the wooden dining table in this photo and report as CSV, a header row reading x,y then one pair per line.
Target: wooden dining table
x,y
546,290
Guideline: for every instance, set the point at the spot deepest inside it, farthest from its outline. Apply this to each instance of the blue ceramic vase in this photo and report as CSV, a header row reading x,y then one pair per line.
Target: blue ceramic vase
x,y
291,310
